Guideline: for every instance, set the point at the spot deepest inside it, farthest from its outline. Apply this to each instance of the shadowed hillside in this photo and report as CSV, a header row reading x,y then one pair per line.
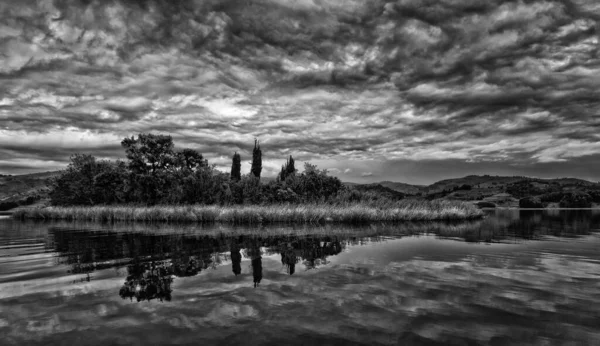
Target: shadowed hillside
x,y
26,189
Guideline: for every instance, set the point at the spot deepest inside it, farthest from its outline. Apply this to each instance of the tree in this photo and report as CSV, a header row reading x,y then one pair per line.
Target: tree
x,y
151,160
315,184
287,169
87,181
236,167
256,160
190,159
149,153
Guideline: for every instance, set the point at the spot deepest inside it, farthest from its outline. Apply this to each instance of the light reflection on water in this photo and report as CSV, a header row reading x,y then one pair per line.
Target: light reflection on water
x,y
516,277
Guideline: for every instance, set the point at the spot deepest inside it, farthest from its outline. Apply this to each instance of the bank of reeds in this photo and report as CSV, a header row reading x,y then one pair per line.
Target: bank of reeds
x,y
406,210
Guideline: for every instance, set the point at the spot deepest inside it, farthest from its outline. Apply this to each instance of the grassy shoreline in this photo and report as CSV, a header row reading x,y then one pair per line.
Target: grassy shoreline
x,y
262,214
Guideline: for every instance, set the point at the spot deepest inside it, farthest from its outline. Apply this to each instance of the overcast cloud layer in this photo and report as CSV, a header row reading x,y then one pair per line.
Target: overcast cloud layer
x,y
407,90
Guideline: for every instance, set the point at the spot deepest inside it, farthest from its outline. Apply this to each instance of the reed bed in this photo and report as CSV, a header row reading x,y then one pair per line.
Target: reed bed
x,y
405,210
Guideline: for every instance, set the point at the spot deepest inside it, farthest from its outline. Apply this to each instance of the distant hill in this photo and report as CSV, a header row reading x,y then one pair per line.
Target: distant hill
x,y
380,190
402,187
27,187
487,188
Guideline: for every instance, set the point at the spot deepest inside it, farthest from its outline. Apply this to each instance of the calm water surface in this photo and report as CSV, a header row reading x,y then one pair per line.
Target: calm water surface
x,y
515,278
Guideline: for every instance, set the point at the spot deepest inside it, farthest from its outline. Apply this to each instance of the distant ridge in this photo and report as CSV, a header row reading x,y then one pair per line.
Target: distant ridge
x,y
486,183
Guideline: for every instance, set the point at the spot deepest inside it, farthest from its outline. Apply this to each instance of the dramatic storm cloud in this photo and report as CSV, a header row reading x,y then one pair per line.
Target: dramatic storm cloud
x,y
406,90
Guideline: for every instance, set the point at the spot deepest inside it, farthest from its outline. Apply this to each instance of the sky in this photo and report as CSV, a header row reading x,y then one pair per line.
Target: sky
x,y
408,90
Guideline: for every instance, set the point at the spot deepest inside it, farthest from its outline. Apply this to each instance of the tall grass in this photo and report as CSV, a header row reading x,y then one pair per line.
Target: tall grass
x,y
405,210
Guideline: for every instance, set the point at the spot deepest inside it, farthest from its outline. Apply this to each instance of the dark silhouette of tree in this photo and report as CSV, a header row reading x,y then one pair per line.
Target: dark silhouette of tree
x,y
190,159
88,181
287,169
236,167
256,160
149,153
151,158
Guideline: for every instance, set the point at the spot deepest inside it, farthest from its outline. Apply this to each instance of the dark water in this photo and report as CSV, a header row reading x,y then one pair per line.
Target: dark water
x,y
515,278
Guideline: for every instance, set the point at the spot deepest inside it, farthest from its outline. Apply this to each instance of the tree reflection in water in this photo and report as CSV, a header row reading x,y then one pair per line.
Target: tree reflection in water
x,y
154,259
236,260
147,281
256,261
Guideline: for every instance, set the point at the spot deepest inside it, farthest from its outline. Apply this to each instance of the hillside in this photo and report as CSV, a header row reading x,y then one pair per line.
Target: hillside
x,y
381,190
17,190
500,190
406,189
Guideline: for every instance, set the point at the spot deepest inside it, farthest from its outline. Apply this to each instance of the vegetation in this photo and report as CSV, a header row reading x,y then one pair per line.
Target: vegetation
x,y
256,160
159,183
405,210
576,200
7,205
155,173
530,202
236,167
288,169
485,205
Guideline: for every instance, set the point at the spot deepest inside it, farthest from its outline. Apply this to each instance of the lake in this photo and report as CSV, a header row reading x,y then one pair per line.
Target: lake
x,y
516,277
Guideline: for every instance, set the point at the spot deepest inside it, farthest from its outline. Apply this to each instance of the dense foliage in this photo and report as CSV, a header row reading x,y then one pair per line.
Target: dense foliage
x,y
156,173
256,160
530,202
287,170
236,167
576,200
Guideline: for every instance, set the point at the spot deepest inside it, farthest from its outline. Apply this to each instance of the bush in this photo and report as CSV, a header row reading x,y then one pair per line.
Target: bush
x,y
576,200
553,197
8,205
530,202
485,205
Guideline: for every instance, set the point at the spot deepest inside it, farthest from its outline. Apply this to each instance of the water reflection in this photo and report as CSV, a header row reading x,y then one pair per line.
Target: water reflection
x,y
147,281
516,277
154,260
236,260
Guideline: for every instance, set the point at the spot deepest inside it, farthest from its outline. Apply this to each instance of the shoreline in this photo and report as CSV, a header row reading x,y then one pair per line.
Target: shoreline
x,y
262,214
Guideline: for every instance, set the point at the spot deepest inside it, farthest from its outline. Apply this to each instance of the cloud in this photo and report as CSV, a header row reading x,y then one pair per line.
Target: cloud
x,y
328,81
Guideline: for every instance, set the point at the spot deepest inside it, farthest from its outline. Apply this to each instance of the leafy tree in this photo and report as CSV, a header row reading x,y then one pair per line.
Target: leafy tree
x,y
87,181
190,159
236,167
109,183
315,184
149,153
256,160
151,157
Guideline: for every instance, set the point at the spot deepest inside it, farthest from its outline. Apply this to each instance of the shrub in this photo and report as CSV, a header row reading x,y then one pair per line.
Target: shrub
x,y
485,205
530,202
576,200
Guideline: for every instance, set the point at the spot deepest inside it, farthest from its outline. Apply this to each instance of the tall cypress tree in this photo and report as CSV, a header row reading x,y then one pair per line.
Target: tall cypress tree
x,y
236,167
256,160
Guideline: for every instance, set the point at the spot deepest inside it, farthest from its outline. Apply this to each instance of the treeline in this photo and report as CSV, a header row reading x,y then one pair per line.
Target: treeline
x,y
7,205
541,195
156,173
